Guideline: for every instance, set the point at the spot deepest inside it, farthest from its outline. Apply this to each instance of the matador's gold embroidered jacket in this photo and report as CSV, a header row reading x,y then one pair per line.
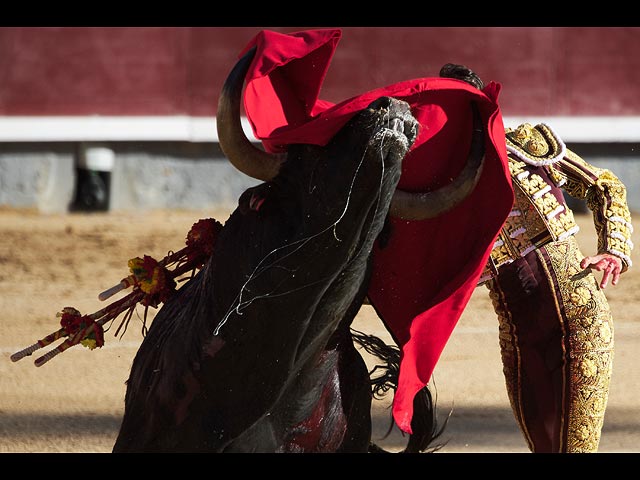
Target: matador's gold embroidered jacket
x,y
540,166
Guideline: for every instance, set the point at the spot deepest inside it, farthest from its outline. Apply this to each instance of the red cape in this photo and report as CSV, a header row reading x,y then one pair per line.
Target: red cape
x,y
424,277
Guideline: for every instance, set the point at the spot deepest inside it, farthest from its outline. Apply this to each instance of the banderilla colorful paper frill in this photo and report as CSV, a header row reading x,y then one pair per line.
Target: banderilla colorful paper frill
x,y
153,282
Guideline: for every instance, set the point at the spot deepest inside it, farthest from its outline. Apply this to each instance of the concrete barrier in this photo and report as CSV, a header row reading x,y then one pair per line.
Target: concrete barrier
x,y
189,175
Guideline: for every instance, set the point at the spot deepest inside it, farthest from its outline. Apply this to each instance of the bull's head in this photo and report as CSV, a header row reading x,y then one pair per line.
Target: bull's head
x,y
264,166
250,351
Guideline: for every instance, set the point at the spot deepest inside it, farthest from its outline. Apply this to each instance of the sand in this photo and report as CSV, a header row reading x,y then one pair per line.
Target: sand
x,y
74,403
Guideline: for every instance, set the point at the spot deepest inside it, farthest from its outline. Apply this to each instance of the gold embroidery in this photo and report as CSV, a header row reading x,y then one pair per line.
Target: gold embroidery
x,y
590,328
587,327
541,217
606,197
537,218
532,184
536,145
556,176
547,204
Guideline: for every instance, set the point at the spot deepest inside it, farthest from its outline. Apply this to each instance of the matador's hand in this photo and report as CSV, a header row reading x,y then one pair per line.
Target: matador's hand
x,y
610,265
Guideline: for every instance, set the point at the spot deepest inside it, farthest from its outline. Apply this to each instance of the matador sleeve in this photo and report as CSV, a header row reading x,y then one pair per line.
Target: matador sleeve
x,y
606,197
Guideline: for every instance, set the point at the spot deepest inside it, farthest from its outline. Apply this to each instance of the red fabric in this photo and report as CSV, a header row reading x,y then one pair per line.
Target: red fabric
x,y
424,278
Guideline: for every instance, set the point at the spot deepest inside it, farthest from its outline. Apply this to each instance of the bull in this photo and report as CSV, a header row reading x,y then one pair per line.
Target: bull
x,y
256,353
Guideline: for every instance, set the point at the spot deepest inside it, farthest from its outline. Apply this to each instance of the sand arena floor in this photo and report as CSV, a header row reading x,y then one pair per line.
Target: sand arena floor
x,y
74,403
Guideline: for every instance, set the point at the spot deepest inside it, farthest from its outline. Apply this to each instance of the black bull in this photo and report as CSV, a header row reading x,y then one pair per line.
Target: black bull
x,y
255,353
241,355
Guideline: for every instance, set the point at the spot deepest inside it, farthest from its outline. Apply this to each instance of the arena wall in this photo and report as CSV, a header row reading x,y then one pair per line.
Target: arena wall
x,y
149,95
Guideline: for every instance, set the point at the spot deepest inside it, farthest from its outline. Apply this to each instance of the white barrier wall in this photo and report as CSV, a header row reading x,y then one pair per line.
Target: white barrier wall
x,y
185,175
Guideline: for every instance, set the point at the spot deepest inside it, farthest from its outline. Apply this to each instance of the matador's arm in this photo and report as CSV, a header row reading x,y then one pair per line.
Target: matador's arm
x,y
606,197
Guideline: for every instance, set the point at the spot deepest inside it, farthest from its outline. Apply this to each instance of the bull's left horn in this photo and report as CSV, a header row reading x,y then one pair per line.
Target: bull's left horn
x,y
246,157
421,206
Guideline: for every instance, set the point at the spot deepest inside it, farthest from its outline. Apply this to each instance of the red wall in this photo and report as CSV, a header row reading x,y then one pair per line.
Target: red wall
x,y
179,71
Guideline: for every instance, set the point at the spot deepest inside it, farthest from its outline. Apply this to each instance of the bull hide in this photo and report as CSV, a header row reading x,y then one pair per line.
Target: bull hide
x,y
249,354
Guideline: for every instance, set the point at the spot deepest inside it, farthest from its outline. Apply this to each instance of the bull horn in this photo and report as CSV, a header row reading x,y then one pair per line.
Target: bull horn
x,y
235,145
421,206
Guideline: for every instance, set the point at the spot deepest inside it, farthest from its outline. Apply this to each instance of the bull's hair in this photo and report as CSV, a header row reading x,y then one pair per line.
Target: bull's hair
x,y
384,377
461,72
388,379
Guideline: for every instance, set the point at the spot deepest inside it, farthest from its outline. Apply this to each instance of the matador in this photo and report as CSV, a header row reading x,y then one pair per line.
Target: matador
x,y
555,324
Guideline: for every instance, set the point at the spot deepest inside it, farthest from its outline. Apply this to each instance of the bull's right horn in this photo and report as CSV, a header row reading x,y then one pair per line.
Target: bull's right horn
x,y
421,206
242,154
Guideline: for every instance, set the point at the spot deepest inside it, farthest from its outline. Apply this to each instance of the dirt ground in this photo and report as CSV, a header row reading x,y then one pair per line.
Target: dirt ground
x,y
74,403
